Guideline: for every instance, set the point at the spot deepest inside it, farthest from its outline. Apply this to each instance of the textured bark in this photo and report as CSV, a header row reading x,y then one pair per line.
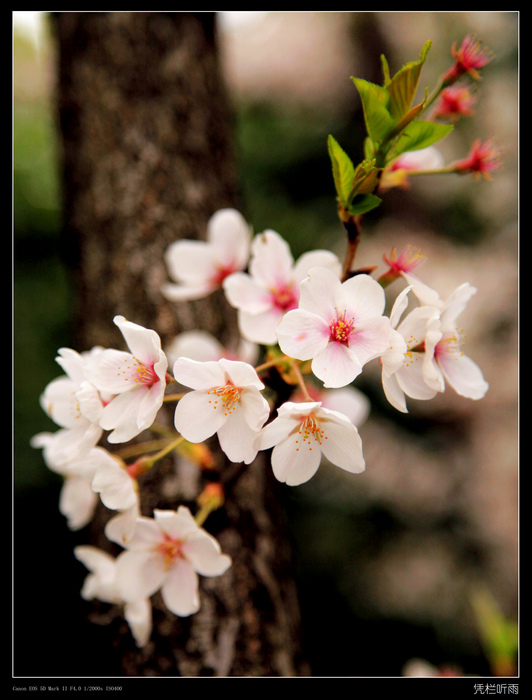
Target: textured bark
x,y
147,153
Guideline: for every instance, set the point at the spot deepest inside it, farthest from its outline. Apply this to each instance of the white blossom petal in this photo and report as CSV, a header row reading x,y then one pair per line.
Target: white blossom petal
x,y
143,343
180,589
336,366
121,528
363,296
302,334
197,417
292,465
120,416
243,292
77,502
260,328
370,338
71,363
139,574
205,555
393,392
138,615
183,292
237,438
198,375
342,446
318,293
455,304
464,375
271,259
115,486
316,258
230,236
178,524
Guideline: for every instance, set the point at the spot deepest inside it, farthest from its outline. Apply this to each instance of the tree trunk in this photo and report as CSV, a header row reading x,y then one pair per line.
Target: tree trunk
x,y
147,156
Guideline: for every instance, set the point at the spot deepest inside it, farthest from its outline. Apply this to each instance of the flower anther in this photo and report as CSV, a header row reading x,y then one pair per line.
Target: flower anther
x,y
169,549
229,395
341,328
310,431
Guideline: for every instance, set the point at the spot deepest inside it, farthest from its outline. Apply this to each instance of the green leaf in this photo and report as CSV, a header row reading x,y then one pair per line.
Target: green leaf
x,y
369,149
403,86
385,70
364,180
343,170
408,117
364,203
419,134
375,103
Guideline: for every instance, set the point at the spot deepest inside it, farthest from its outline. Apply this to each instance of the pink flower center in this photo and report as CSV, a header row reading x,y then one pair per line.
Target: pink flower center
x,y
223,271
449,345
310,432
407,260
284,297
170,550
225,397
139,373
341,328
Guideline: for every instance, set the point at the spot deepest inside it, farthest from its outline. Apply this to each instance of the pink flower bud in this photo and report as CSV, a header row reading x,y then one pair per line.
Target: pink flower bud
x,y
468,59
482,160
455,102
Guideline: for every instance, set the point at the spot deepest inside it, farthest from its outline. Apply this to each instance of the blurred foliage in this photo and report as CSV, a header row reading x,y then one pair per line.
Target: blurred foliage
x,y
286,174
40,288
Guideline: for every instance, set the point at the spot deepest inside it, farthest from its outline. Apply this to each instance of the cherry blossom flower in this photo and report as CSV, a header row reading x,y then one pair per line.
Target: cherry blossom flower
x,y
167,553
338,325
455,368
271,288
117,488
198,268
348,400
426,352
407,365
100,584
303,432
75,406
226,400
121,527
482,160
403,265
136,379
77,500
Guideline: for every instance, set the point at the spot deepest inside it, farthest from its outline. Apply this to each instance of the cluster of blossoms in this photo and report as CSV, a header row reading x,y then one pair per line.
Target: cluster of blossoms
x,y
314,324
452,101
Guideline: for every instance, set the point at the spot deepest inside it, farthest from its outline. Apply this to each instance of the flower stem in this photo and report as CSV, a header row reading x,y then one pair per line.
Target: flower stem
x,y
173,397
141,448
297,372
353,229
273,363
436,171
209,500
146,463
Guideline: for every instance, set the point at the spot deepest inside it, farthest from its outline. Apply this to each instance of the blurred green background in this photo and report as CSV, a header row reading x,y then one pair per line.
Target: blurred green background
x,y
387,565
